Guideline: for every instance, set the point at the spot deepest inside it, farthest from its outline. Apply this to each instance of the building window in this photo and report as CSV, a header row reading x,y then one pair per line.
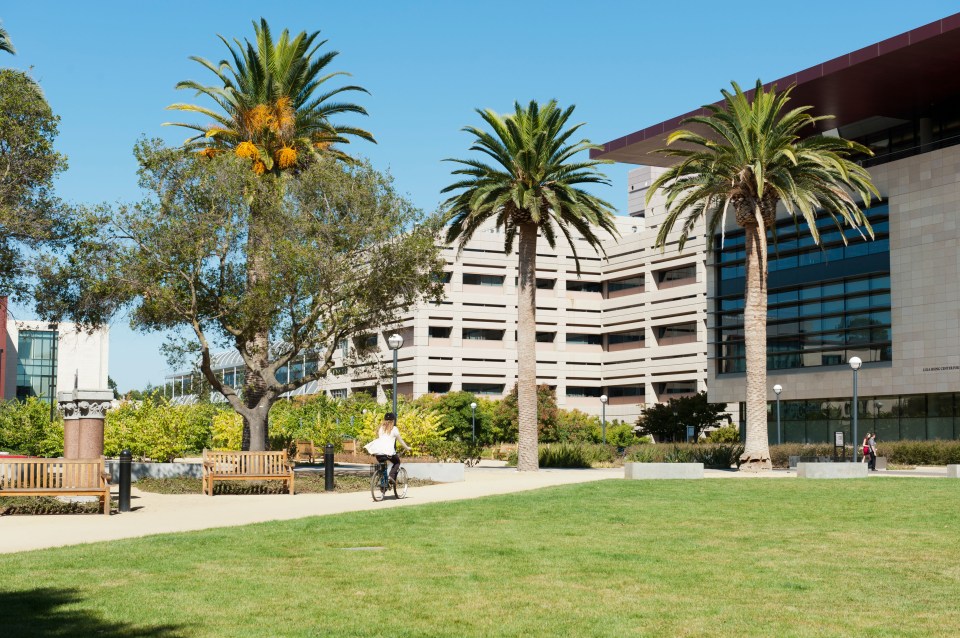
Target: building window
x,y
438,387
677,333
625,391
37,365
338,372
439,332
582,391
584,286
444,277
674,388
584,339
338,393
482,334
483,388
470,279
624,337
546,337
630,283
677,275
542,284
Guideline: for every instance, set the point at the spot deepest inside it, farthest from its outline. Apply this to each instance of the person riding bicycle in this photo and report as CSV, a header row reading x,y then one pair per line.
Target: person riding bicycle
x,y
385,445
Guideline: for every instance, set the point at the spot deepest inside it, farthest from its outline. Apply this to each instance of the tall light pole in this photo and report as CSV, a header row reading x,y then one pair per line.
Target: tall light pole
x,y
855,364
603,418
877,405
777,389
394,343
473,421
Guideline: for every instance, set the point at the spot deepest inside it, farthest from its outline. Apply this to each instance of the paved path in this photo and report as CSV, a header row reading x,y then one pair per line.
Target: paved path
x,y
163,513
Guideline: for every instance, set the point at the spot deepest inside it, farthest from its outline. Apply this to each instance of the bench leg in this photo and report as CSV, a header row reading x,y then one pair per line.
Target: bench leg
x,y
106,502
291,484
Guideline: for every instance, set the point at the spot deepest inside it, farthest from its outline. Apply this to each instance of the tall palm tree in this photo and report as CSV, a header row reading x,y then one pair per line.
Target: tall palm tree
x,y
752,158
530,188
5,44
274,110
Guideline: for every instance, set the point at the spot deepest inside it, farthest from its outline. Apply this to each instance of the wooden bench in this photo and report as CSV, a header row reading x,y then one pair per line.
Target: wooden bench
x,y
305,451
56,477
245,466
350,446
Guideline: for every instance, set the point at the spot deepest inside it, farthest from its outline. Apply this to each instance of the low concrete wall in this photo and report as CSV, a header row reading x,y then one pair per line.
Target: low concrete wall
x,y
953,471
831,470
155,470
645,471
439,472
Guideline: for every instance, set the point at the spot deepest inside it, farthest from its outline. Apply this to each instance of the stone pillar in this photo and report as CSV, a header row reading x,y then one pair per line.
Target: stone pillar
x,y
71,425
83,414
92,406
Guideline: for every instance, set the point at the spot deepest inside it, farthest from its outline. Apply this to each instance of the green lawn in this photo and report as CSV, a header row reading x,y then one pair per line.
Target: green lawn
x,y
617,558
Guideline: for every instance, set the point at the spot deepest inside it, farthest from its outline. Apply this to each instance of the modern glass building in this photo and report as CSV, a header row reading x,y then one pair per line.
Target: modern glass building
x,y
37,365
892,301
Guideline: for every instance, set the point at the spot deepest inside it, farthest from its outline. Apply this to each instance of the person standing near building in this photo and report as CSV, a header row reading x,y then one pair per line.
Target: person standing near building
x,y
865,448
872,445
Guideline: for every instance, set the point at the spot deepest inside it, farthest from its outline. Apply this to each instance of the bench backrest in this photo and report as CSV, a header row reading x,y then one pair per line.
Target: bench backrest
x,y
350,446
305,451
241,463
50,473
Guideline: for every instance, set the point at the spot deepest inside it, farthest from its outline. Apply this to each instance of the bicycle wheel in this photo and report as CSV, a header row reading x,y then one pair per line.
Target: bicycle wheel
x,y
377,489
400,487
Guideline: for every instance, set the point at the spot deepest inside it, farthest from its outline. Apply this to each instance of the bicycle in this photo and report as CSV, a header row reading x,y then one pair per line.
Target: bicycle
x,y
380,485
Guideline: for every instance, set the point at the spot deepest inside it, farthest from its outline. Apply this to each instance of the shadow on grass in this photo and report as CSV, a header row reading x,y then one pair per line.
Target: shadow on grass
x,y
56,613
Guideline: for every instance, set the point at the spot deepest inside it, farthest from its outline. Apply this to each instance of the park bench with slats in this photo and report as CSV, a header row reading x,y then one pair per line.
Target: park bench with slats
x,y
245,466
56,477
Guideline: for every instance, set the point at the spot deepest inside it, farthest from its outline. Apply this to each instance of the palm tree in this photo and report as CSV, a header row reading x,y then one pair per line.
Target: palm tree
x,y
751,159
530,188
270,110
273,110
5,44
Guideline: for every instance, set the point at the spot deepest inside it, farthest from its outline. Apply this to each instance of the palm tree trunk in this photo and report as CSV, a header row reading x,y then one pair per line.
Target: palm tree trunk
x,y
756,453
527,449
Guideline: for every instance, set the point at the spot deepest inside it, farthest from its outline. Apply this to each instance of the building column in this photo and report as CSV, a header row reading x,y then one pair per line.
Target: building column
x,y
71,425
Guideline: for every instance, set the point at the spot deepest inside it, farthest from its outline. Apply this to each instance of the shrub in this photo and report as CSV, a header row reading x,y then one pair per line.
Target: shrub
x,y
420,428
25,426
227,431
722,456
726,434
446,451
154,429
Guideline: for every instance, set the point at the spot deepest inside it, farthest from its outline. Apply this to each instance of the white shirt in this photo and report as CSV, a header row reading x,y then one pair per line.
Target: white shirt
x,y
385,443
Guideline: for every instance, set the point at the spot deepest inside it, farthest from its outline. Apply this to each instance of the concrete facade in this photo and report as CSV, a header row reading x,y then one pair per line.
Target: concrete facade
x,y
631,325
82,357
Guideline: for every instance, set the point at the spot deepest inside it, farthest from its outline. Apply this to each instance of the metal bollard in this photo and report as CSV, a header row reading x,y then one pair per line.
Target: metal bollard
x,y
328,467
126,460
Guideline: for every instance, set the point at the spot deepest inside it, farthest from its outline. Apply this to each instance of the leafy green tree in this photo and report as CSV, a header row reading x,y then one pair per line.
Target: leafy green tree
x,y
531,188
31,217
507,413
669,421
574,426
343,255
752,158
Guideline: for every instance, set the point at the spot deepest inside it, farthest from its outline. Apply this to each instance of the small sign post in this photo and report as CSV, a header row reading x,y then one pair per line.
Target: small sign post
x,y
839,451
690,433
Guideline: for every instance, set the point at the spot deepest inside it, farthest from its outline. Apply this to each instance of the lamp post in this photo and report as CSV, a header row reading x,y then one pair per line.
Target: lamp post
x,y
394,343
877,405
855,364
473,421
777,389
603,418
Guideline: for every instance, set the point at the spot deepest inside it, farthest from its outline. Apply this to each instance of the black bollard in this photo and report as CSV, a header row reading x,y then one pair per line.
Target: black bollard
x,y
125,463
328,467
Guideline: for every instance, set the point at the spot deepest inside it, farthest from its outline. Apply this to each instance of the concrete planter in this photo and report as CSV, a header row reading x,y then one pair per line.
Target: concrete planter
x,y
953,471
439,472
831,470
645,471
155,470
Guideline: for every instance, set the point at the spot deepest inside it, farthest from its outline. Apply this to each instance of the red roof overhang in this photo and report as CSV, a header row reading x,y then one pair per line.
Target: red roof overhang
x,y
898,76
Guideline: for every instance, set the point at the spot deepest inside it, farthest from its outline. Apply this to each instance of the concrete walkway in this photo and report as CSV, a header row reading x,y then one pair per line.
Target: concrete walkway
x,y
164,513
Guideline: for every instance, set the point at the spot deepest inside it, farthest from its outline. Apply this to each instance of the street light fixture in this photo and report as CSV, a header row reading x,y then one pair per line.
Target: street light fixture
x,y
777,389
473,421
394,342
603,420
855,364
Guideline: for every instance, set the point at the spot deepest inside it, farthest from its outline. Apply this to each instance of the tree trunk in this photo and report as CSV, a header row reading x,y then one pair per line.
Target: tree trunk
x,y
257,343
756,453
528,459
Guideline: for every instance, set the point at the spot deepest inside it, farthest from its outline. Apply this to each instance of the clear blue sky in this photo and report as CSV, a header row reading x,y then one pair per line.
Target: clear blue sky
x,y
109,68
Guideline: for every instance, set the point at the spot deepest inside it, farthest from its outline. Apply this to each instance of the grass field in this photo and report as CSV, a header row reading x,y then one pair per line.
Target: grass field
x,y
614,558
